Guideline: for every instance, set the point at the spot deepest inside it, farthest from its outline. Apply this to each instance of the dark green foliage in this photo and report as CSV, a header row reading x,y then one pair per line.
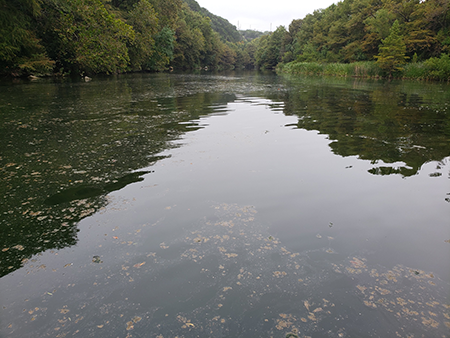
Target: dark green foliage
x,y
392,51
163,52
352,30
198,45
145,24
438,68
190,42
82,36
111,36
168,11
21,52
270,50
358,30
125,5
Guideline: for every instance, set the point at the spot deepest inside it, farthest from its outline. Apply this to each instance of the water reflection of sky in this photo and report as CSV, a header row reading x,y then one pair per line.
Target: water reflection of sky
x,y
249,227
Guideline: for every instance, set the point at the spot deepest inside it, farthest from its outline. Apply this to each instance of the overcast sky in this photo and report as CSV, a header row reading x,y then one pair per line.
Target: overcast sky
x,y
262,14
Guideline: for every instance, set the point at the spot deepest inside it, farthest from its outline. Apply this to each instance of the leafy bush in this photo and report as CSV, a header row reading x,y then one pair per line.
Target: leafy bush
x,y
438,68
36,64
431,69
415,71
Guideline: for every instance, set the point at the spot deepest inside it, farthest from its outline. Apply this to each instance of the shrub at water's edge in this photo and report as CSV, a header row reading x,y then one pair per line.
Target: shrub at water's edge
x,y
431,69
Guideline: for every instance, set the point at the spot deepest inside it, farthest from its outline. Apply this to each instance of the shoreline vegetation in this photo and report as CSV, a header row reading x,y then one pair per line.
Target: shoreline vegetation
x,y
433,69
353,38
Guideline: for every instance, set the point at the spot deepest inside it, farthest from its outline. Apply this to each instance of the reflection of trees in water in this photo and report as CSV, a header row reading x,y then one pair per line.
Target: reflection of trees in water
x,y
386,123
70,144
64,147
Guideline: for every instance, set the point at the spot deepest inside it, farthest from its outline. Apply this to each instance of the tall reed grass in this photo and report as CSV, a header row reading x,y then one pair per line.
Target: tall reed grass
x,y
431,69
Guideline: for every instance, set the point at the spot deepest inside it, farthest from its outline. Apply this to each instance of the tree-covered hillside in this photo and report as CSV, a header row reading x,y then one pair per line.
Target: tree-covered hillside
x,y
391,32
226,30
109,36
250,34
409,38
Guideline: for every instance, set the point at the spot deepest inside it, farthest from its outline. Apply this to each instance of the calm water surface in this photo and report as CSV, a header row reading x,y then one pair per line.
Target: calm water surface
x,y
224,205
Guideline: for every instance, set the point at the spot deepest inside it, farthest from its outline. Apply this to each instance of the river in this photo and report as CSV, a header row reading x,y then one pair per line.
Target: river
x,y
238,204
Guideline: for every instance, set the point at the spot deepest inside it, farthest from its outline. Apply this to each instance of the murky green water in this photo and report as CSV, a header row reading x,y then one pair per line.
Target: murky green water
x,y
230,205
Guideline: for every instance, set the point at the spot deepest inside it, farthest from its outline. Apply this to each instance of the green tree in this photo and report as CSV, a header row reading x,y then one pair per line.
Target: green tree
x,y
288,41
197,45
304,37
190,42
392,51
428,28
269,52
168,12
309,53
164,47
243,58
360,10
380,23
82,36
21,52
145,24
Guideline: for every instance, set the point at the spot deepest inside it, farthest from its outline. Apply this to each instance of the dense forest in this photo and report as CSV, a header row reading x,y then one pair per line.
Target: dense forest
x,y
390,34
373,37
111,36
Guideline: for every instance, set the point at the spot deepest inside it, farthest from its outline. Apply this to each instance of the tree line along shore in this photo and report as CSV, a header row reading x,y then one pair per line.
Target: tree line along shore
x,y
364,38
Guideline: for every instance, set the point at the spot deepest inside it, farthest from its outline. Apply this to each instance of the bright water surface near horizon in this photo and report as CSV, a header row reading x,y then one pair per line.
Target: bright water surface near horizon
x,y
224,205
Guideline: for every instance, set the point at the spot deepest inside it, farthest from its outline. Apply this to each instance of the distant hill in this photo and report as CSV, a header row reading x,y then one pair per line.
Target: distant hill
x,y
226,30
250,34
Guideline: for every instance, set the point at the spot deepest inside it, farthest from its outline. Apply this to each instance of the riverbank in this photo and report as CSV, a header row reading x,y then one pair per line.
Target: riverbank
x,y
437,69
